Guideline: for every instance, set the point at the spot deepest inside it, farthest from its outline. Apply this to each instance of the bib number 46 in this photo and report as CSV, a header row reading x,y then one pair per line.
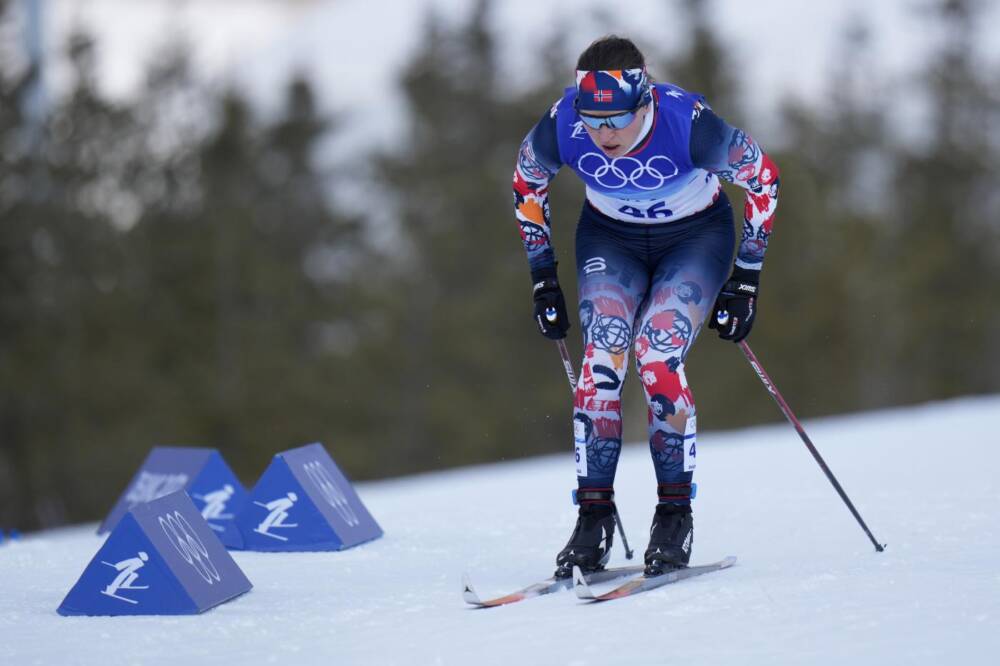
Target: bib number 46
x,y
659,209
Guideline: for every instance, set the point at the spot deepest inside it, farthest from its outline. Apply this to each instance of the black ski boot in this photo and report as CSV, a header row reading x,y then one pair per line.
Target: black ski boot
x,y
589,547
672,532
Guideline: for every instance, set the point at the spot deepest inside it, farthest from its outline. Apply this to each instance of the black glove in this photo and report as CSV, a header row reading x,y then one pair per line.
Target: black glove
x,y
736,305
550,306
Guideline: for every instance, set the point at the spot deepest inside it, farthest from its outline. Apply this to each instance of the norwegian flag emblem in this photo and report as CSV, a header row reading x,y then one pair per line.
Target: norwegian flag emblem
x,y
603,95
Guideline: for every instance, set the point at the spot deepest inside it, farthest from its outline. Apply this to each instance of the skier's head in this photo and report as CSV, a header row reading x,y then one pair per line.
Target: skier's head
x,y
612,93
611,52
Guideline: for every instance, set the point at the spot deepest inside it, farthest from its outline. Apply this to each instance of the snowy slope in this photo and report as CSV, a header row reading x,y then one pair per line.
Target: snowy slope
x,y
808,589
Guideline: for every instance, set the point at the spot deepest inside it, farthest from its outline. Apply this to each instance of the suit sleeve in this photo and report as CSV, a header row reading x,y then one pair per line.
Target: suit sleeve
x,y
537,163
734,156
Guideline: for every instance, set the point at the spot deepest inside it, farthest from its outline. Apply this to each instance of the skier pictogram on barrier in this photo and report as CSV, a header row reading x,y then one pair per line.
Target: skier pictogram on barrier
x,y
162,558
304,502
202,472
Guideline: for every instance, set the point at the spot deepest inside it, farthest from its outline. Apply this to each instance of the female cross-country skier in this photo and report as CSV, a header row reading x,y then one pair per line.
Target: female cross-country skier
x,y
654,253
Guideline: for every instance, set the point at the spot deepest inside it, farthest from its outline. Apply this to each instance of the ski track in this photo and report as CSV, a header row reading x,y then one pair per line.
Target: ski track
x,y
808,586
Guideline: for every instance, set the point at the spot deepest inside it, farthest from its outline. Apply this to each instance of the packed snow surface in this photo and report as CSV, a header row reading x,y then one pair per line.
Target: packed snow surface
x,y
809,588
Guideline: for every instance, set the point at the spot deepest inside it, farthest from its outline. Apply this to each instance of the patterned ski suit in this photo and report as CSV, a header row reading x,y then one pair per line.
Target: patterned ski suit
x,y
654,245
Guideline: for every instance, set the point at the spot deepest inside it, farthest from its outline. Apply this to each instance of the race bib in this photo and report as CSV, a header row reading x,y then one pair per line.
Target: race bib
x,y
690,446
580,438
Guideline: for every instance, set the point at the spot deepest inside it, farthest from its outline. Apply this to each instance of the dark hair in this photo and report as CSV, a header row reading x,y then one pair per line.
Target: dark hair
x,y
611,52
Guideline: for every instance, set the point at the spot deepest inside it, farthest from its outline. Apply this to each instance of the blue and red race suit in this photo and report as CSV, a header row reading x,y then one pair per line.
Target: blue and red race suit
x,y
654,245
672,172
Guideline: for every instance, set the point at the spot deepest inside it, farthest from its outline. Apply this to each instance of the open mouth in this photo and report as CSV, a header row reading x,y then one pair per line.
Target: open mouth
x,y
610,148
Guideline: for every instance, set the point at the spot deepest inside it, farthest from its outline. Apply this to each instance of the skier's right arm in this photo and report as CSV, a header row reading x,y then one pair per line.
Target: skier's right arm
x,y
537,163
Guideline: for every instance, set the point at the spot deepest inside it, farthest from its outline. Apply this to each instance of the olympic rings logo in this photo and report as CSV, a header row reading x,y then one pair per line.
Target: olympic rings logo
x,y
320,476
191,549
622,171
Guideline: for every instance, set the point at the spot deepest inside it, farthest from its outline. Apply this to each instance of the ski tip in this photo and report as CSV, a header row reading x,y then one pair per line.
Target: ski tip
x,y
469,593
580,585
729,561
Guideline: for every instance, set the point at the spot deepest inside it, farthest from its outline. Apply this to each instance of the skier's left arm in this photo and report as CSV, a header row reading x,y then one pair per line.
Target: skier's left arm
x,y
733,155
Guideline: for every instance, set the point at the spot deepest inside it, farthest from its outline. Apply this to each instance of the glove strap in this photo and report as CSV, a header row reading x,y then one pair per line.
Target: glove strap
x,y
546,284
736,287
544,273
743,281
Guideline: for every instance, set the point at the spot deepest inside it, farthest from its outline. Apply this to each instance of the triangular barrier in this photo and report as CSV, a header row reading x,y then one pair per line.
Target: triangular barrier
x,y
304,502
162,558
202,472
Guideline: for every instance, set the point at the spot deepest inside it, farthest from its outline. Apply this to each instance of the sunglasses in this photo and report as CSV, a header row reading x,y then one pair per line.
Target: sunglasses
x,y
617,121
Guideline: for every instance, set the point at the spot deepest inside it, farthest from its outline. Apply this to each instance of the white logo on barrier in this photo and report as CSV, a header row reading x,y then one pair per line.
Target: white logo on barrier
x,y
126,577
150,486
276,518
622,171
215,505
335,497
187,544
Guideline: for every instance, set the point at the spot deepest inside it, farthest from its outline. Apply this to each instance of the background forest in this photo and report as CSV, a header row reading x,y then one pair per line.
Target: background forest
x,y
165,280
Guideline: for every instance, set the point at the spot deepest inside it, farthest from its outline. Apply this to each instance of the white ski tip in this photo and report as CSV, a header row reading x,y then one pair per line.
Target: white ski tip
x,y
727,562
468,592
580,585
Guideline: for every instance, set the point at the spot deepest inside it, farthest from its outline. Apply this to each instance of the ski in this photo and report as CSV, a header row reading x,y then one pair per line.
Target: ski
x,y
581,584
547,586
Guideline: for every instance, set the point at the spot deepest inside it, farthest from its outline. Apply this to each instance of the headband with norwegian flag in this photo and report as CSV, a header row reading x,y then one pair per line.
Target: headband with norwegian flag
x,y
611,89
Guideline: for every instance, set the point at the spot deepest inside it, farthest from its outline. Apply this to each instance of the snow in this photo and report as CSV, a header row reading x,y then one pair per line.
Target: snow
x,y
808,587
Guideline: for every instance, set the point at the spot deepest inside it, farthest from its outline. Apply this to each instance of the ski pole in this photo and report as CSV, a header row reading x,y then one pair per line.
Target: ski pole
x,y
550,314
786,410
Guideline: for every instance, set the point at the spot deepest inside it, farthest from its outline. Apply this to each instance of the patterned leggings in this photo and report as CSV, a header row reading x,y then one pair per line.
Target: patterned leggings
x,y
649,287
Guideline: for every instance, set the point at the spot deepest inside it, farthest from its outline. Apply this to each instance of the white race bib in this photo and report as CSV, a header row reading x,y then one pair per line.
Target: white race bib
x,y
690,448
580,437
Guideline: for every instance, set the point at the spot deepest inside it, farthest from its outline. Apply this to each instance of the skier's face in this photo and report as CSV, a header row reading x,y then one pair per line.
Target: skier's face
x,y
616,142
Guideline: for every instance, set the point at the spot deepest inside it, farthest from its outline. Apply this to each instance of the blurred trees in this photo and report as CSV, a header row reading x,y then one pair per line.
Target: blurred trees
x,y
168,277
177,270
473,380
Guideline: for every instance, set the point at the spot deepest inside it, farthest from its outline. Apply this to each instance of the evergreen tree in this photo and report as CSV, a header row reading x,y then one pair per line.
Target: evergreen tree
x,y
163,282
246,303
947,261
59,230
825,304
466,353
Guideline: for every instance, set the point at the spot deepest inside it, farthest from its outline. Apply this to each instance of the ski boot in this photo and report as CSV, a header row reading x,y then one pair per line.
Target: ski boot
x,y
589,546
672,532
